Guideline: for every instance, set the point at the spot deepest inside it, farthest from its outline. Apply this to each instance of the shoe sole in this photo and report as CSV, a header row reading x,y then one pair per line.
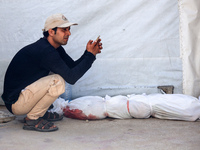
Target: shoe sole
x,y
25,127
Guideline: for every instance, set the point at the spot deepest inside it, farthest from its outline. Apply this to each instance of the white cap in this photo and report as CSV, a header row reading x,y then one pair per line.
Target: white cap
x,y
57,20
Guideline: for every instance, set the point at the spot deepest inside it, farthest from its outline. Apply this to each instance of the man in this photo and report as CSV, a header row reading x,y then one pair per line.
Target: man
x,y
28,87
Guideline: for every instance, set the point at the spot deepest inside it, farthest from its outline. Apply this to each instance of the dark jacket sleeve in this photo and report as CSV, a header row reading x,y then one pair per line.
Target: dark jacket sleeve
x,y
68,60
63,65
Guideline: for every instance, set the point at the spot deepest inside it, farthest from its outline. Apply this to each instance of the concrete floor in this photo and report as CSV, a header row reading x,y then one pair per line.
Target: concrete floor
x,y
106,134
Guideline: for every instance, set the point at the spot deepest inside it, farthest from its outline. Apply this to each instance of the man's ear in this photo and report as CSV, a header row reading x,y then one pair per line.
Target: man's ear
x,y
51,32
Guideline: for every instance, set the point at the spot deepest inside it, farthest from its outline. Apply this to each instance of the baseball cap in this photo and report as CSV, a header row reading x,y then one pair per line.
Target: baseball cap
x,y
57,20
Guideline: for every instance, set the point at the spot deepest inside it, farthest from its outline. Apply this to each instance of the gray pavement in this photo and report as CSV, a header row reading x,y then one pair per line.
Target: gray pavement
x,y
106,134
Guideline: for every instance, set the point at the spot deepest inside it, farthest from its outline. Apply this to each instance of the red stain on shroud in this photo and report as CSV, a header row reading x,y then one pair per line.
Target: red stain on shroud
x,y
77,114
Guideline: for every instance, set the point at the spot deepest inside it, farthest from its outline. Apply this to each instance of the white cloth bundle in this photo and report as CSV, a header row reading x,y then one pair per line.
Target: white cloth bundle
x,y
162,106
139,106
122,107
175,106
86,108
171,106
117,107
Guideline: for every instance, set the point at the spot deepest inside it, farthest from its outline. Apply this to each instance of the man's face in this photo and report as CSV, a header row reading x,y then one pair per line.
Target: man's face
x,y
61,36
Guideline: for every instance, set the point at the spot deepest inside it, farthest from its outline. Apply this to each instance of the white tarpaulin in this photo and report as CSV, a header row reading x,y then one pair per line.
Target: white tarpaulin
x,y
190,45
140,38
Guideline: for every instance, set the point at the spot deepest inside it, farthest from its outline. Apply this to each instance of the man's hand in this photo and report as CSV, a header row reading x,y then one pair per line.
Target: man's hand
x,y
94,47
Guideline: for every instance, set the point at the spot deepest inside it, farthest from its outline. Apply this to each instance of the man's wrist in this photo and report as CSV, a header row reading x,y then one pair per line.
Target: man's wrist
x,y
91,52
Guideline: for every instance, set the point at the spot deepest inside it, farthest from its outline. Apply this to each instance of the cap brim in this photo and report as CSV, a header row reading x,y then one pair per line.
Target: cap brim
x,y
67,25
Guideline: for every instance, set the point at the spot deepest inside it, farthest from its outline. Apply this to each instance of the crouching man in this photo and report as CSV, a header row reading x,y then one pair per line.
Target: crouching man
x,y
28,87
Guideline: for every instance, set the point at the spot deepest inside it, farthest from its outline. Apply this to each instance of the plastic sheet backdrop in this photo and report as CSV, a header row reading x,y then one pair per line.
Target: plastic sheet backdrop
x,y
140,40
190,45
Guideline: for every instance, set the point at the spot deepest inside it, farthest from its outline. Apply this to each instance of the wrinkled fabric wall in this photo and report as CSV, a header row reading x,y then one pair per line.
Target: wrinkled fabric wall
x,y
140,40
141,48
190,45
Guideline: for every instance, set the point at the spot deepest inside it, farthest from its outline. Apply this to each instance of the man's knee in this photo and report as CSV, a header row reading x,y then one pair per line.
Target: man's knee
x,y
58,86
59,78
